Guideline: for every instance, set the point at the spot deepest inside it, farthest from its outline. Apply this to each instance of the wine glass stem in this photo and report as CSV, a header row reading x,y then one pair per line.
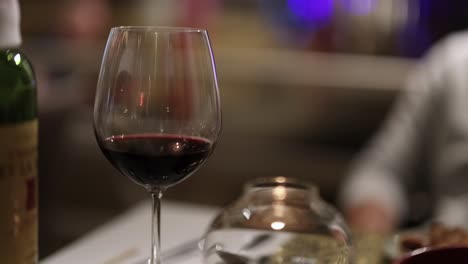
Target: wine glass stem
x,y
156,196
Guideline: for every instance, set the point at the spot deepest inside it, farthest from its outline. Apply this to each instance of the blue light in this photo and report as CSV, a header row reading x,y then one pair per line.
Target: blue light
x,y
359,7
311,11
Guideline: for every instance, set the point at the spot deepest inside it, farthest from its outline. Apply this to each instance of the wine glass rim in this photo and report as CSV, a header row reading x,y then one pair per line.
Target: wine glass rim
x,y
270,182
159,29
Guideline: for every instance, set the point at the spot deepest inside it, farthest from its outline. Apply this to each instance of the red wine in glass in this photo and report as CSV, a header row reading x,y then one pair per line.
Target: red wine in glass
x,y
156,160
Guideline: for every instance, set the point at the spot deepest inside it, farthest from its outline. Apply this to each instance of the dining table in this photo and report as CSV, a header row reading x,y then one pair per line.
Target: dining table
x,y
126,239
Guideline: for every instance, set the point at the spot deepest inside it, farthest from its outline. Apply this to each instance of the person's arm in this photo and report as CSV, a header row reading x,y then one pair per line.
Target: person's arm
x,y
373,196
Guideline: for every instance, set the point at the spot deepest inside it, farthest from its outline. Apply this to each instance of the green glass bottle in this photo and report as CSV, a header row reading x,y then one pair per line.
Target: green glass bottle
x,y
18,144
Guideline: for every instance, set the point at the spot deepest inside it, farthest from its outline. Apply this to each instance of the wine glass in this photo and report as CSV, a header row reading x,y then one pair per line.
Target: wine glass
x,y
278,220
157,112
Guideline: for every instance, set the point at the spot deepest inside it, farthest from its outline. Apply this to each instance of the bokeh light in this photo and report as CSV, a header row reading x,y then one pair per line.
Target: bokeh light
x,y
359,7
311,11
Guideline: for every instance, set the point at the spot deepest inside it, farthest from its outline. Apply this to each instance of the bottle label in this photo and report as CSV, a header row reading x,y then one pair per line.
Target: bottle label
x,y
18,193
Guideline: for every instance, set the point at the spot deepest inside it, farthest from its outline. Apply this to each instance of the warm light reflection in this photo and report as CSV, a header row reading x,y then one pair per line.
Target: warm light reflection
x,y
17,59
277,225
280,179
142,99
279,193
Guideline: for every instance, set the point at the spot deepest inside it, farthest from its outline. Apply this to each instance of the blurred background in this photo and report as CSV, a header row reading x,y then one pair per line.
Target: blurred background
x,y
304,84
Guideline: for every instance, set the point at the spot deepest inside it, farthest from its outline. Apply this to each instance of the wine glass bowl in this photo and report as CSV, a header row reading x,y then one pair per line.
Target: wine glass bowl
x,y
278,220
157,113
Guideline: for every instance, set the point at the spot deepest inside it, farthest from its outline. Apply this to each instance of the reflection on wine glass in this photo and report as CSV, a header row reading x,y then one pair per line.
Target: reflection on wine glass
x,y
157,112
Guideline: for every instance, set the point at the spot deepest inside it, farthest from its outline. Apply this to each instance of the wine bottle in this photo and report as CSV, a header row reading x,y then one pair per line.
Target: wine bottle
x,y
18,144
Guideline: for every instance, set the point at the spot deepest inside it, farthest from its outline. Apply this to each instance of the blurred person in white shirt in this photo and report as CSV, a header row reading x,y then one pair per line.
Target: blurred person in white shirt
x,y
423,143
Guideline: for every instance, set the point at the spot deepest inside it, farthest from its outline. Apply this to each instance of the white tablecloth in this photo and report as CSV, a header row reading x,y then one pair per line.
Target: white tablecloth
x,y
126,240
